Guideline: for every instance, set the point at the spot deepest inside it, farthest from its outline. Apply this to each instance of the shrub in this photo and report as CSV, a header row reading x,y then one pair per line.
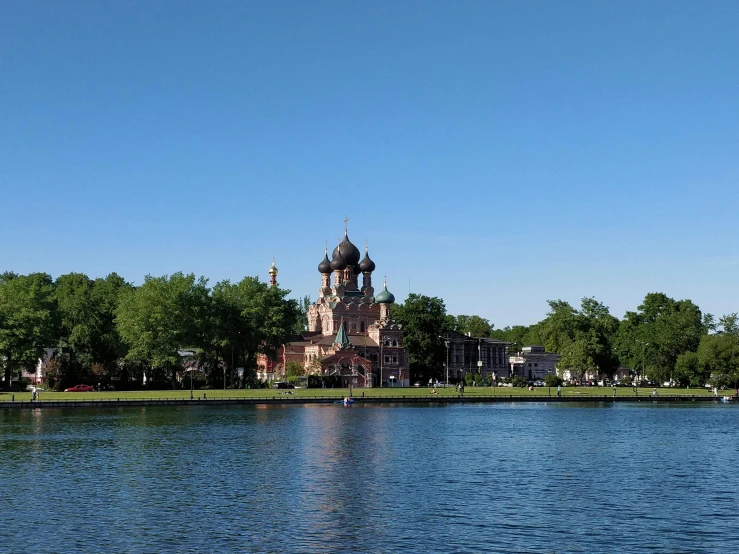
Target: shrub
x,y
316,381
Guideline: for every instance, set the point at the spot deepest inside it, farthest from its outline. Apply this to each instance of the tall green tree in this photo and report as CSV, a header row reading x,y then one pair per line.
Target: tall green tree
x,y
253,318
7,276
718,353
689,370
582,337
518,336
108,348
472,324
424,323
27,320
162,316
302,323
651,339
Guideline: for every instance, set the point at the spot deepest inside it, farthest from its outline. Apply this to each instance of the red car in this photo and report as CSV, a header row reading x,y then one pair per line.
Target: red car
x,y
79,388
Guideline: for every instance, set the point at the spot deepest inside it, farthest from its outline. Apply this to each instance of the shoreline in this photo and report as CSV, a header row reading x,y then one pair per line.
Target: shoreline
x,y
371,400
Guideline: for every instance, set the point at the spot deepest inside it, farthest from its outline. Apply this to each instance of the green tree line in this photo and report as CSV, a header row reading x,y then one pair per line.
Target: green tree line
x,y
663,339
107,330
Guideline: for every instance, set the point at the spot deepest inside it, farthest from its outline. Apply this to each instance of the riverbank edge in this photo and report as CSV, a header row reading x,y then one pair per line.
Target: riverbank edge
x,y
26,404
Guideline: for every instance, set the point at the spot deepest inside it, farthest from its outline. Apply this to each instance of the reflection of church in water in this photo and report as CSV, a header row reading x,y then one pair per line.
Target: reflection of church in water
x,y
350,333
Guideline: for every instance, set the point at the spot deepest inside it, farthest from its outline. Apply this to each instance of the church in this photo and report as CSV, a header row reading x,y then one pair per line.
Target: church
x,y
350,335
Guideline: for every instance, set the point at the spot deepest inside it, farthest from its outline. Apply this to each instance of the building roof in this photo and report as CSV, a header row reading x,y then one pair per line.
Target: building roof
x,y
345,356
538,356
456,336
366,264
325,265
338,262
358,341
347,251
385,296
341,336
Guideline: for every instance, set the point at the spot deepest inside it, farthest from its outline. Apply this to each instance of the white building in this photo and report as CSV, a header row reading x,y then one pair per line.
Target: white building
x,y
533,362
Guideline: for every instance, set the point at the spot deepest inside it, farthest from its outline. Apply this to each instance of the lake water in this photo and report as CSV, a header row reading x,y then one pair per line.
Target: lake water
x,y
460,478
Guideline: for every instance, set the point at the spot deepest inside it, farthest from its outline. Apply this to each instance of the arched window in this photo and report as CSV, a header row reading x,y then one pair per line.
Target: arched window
x,y
361,326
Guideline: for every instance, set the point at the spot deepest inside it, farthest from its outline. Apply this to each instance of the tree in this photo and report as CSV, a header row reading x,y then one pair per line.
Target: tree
x,y
108,348
160,317
253,318
582,337
729,324
7,276
87,333
293,370
26,320
472,324
718,354
689,371
517,336
302,321
424,323
656,334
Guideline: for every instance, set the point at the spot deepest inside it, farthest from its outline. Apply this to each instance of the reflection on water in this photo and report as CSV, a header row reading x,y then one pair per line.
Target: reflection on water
x,y
496,478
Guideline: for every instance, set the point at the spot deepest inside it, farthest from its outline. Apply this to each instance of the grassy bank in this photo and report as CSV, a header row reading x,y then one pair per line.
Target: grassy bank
x,y
542,392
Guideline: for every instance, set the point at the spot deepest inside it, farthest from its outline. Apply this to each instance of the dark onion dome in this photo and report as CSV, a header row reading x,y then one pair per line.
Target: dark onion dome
x,y
385,296
338,262
366,264
348,251
325,266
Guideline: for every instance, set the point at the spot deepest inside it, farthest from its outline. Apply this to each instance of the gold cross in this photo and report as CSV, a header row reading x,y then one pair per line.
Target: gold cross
x,y
346,221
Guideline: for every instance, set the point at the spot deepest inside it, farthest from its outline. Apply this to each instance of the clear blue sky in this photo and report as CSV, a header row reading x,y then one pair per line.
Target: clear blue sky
x,y
494,154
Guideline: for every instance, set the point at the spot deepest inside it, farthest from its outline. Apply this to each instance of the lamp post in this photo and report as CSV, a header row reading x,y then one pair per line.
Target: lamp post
x,y
643,360
380,379
446,343
231,368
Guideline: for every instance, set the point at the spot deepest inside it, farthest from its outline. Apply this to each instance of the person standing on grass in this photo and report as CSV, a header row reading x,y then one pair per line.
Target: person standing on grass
x,y
559,391
614,391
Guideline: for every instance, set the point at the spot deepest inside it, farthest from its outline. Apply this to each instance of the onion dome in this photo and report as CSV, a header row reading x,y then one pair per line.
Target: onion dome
x,y
325,266
385,296
273,269
366,264
338,262
349,252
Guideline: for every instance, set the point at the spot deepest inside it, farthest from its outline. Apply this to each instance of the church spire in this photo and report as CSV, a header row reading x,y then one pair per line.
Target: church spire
x,y
342,337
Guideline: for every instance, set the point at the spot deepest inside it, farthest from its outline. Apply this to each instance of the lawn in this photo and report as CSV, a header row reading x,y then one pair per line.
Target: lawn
x,y
368,393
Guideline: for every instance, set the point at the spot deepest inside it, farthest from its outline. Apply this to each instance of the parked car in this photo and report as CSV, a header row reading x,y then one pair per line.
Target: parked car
x,y
79,388
281,385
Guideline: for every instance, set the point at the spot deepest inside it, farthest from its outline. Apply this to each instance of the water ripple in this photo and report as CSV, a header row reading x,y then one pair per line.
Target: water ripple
x,y
501,478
